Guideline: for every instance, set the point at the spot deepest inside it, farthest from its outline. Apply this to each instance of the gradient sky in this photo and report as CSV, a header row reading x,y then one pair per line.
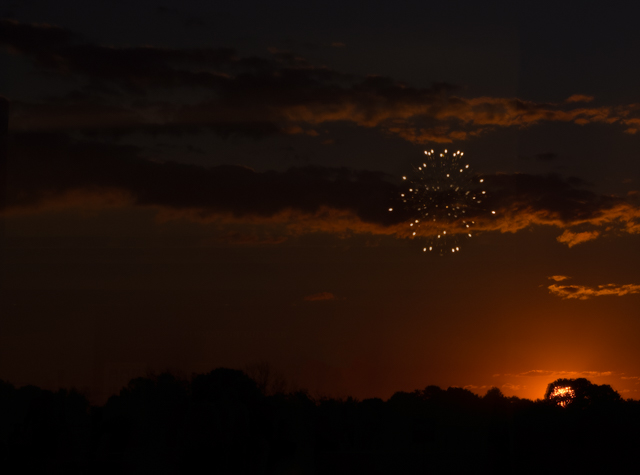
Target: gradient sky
x,y
200,184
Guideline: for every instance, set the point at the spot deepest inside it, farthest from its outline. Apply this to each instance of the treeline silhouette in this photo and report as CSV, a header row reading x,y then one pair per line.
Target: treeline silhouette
x,y
223,423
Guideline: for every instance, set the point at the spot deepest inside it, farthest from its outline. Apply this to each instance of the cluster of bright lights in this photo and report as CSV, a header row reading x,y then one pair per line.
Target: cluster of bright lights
x,y
444,196
562,395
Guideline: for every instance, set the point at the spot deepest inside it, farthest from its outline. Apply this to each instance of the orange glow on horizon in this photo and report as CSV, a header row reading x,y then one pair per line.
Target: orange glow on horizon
x,y
564,395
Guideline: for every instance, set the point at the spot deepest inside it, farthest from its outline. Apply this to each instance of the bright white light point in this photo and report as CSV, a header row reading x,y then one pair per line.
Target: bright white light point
x,y
444,201
390,209
461,153
481,180
424,250
493,212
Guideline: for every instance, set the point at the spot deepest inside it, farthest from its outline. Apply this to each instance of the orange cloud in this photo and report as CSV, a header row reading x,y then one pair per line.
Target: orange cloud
x,y
571,239
290,222
582,292
321,209
345,222
450,117
81,200
283,94
453,117
579,98
559,278
533,372
596,373
560,374
320,296
518,214
473,386
297,201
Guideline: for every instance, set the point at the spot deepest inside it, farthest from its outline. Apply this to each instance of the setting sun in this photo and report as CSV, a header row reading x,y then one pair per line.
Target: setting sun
x,y
562,395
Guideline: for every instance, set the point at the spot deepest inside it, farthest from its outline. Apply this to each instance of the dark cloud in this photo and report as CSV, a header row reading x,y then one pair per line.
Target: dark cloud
x,y
320,297
76,111
553,196
139,68
40,41
135,68
522,200
547,156
283,93
49,166
51,169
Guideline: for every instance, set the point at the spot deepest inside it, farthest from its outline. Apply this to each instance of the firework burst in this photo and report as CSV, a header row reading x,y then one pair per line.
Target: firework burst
x,y
444,197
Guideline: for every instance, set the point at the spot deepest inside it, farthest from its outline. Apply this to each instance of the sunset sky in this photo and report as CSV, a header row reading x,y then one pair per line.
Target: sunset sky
x,y
196,184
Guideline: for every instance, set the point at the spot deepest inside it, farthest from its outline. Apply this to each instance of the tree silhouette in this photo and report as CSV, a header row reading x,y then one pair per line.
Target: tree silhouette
x,y
269,382
580,392
222,421
227,425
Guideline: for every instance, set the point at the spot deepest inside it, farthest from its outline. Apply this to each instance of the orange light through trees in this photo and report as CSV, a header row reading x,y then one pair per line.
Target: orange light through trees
x,y
562,395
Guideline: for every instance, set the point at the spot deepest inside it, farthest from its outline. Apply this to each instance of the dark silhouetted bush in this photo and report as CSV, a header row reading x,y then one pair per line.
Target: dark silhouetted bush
x,y
223,422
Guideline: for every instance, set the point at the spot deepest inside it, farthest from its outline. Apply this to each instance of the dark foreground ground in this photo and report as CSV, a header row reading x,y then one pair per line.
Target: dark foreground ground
x,y
222,423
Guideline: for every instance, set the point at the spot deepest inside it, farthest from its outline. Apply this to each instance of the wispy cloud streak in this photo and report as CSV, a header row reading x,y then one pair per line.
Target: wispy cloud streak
x,y
582,292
